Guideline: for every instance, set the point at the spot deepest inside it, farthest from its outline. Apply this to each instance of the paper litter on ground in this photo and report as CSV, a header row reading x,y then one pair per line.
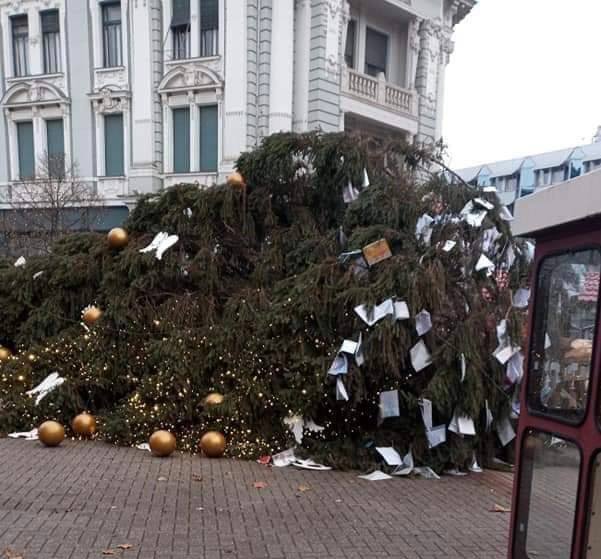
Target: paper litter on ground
x,y
28,436
283,459
376,476
406,467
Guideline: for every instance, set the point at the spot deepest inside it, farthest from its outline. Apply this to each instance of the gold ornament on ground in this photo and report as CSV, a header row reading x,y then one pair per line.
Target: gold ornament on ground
x,y
84,425
212,444
91,315
213,399
4,354
117,238
162,443
51,433
236,180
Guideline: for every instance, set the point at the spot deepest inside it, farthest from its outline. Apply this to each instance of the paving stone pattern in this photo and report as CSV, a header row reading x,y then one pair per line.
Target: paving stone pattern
x,y
81,498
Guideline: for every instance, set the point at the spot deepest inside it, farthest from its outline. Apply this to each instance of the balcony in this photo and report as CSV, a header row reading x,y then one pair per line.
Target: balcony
x,y
379,100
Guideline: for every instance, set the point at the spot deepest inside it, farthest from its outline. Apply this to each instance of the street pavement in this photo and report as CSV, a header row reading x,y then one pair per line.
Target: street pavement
x,y
85,499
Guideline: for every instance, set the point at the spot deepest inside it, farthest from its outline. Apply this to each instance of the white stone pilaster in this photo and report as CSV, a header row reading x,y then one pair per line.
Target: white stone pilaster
x,y
167,136
36,65
194,134
302,56
282,70
195,29
413,45
236,77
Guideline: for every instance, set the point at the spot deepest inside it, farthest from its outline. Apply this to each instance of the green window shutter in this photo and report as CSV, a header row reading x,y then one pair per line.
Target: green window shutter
x,y
26,149
113,145
208,138
181,140
55,139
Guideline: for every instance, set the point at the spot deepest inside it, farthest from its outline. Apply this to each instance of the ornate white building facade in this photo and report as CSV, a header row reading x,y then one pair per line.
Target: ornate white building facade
x,y
144,94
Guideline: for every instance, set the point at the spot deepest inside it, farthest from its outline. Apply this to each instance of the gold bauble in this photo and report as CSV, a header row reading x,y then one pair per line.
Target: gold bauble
x,y
91,315
51,433
162,443
213,399
84,425
236,180
117,238
4,354
212,444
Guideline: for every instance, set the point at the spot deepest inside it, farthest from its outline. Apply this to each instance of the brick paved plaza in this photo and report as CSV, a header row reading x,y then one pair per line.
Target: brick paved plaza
x,y
83,498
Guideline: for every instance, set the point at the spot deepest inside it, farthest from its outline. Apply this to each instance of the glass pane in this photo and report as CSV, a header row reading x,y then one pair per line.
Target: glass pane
x,y
56,147
113,145
593,549
349,51
549,474
181,140
26,150
112,12
376,52
208,138
564,330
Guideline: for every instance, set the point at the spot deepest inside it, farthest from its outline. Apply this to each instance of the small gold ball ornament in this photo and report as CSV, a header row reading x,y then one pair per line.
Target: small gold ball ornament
x,y
117,238
91,315
4,354
51,433
212,444
84,425
213,399
162,443
236,180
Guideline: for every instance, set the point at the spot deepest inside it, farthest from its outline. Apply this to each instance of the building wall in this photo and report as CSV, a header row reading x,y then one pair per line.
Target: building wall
x,y
279,66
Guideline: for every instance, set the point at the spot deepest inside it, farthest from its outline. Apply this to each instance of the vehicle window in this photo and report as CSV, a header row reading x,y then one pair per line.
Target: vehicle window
x,y
561,350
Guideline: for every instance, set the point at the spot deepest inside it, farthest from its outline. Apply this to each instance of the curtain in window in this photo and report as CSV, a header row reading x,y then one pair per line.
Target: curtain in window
x,y
209,27
180,29
55,149
111,18
51,42
113,145
208,138
376,52
20,31
181,140
26,149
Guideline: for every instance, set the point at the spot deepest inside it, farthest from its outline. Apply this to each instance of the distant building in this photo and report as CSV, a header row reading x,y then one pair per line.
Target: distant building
x,y
515,178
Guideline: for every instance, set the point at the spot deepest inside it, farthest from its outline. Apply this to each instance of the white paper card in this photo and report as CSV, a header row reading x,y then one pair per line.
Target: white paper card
x,y
505,432
426,472
484,263
376,476
484,203
390,455
463,365
423,323
489,416
425,407
449,246
366,183
28,436
476,218
462,425
504,354
348,346
437,436
489,238
20,262
401,311
389,404
341,393
420,356
380,311
521,298
339,365
50,383
359,356
548,342
350,194
515,367
283,459
423,229
406,467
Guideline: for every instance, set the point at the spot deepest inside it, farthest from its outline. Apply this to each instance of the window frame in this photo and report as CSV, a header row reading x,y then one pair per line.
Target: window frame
x,y
20,176
180,29
13,37
45,34
558,417
211,31
530,431
174,110
123,173
353,55
199,108
62,171
385,34
107,24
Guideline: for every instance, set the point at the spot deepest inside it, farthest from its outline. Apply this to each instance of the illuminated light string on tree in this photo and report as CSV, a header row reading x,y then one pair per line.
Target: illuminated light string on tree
x,y
252,303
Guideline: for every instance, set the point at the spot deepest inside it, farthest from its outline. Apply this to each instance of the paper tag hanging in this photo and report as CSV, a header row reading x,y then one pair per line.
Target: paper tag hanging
x,y
389,404
423,323
463,366
341,393
420,356
377,252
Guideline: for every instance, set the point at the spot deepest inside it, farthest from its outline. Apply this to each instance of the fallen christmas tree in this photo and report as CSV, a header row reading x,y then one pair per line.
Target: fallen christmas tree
x,y
255,299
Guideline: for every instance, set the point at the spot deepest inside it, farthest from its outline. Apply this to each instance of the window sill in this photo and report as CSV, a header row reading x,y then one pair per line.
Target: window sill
x,y
107,69
112,178
14,79
176,61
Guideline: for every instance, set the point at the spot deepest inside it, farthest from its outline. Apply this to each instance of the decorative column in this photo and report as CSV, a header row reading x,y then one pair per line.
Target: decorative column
x,y
195,29
39,136
36,66
282,68
236,80
167,136
426,82
220,128
302,55
194,133
67,136
413,44
12,145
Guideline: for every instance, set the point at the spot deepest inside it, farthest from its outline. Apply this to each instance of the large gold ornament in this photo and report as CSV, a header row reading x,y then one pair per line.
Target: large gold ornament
x,y
51,433
91,315
213,399
236,180
162,443
212,444
4,354
84,425
117,238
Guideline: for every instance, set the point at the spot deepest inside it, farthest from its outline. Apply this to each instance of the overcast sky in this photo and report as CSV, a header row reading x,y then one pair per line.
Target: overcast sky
x,y
524,78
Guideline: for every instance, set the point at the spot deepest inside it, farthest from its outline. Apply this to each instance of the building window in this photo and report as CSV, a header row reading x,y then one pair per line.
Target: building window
x,y
111,34
51,42
349,51
180,29
113,146
209,27
376,53
20,29
55,147
208,138
26,150
181,140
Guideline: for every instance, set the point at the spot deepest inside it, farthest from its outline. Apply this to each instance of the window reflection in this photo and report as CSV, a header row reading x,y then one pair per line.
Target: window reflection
x,y
564,328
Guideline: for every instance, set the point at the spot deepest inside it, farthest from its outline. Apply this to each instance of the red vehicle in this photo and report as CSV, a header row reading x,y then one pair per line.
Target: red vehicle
x,y
556,512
